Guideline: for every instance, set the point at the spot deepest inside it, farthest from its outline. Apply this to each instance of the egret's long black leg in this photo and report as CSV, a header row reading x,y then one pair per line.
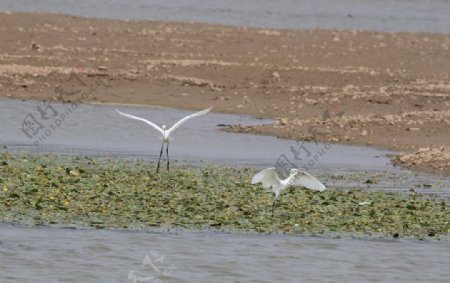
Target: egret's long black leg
x,y
167,152
273,206
159,160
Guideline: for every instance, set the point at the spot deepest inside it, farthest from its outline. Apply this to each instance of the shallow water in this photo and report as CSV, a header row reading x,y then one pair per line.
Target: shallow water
x,y
98,130
66,255
380,15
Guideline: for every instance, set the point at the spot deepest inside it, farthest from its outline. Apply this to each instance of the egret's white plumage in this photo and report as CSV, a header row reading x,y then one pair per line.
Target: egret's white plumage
x,y
270,180
165,134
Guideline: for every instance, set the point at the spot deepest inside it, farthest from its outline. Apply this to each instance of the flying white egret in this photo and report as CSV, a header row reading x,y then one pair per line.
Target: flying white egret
x,y
269,179
165,133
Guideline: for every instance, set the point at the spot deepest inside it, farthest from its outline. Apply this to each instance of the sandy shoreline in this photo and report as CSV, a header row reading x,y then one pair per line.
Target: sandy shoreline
x,y
388,90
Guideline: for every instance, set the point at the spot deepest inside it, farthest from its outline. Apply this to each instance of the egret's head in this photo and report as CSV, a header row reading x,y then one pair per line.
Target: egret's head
x,y
293,171
163,127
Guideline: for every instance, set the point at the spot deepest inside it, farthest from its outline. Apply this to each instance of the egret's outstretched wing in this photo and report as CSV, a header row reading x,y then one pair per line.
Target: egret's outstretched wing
x,y
308,181
268,177
141,119
177,124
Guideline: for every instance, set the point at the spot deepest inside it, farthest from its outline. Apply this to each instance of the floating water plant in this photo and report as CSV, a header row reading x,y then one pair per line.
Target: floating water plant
x,y
102,193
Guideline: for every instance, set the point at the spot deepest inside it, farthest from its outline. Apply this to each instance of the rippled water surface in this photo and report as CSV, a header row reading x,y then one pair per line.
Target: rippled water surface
x,y
66,255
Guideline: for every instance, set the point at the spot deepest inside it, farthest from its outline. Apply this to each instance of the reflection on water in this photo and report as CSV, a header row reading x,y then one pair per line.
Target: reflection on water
x,y
66,255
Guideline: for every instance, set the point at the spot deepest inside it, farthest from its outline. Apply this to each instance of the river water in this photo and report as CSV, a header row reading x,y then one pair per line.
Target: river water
x,y
99,130
66,255
380,15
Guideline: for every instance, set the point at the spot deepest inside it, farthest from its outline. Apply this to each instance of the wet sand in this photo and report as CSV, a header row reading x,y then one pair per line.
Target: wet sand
x,y
387,90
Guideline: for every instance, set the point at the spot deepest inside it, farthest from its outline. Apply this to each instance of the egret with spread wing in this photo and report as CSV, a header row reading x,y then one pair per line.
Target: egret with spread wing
x,y
269,179
165,133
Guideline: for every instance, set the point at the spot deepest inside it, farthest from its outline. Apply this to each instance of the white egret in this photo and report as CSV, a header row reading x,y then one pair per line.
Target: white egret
x,y
165,133
269,179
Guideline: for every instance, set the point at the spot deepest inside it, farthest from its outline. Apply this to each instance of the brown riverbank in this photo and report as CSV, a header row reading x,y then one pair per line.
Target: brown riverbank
x,y
383,89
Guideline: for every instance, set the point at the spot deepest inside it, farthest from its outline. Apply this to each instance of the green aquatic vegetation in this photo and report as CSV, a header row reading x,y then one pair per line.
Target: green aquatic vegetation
x,y
102,193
